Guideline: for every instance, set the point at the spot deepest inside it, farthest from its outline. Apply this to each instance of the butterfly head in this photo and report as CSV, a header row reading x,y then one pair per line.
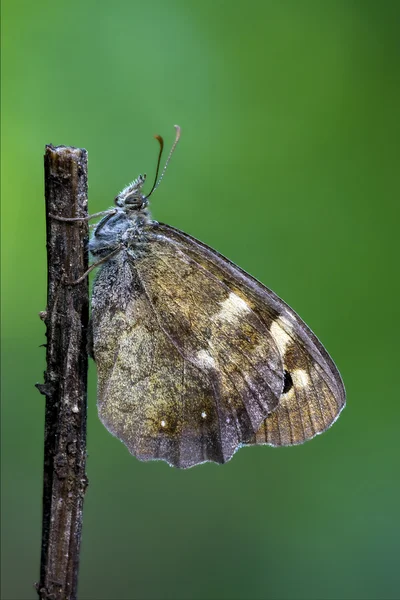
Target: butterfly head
x,y
132,198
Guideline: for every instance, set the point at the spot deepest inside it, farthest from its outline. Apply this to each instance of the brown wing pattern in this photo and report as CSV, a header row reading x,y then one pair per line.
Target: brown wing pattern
x,y
313,395
175,382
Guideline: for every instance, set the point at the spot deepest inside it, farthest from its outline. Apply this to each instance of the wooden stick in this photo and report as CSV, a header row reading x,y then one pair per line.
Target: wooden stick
x,y
65,380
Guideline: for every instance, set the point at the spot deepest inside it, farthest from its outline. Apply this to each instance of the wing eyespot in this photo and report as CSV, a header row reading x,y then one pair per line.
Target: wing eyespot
x,y
287,383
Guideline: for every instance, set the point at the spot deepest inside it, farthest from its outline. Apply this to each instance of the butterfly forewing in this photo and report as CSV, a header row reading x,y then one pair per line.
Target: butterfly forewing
x,y
313,394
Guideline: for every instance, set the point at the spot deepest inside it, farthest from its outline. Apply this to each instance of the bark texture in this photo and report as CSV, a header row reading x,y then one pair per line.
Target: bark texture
x,y
65,380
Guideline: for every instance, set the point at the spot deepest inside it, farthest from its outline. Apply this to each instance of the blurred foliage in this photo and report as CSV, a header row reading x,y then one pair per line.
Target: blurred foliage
x,y
288,164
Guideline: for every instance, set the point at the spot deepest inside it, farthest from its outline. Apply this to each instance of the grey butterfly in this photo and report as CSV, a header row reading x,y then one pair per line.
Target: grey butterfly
x,y
196,358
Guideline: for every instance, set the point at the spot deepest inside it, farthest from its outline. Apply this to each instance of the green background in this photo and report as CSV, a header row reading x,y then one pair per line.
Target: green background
x,y
289,165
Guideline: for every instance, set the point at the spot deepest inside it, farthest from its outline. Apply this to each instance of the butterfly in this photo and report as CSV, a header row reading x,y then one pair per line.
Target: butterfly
x,y
196,358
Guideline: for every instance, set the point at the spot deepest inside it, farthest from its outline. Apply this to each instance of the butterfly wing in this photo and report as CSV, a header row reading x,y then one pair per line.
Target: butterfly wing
x,y
313,394
187,371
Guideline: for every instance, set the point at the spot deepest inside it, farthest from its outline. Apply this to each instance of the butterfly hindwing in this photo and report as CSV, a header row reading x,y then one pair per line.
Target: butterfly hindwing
x,y
186,371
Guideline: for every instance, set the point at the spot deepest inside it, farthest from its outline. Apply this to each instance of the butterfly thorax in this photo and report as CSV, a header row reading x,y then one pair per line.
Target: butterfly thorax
x,y
123,226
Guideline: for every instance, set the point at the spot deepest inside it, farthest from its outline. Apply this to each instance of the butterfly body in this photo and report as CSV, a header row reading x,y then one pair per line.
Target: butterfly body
x,y
196,358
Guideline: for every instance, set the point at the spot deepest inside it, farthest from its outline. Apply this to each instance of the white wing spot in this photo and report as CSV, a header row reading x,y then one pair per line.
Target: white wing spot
x,y
203,414
232,308
281,338
300,378
205,359
163,423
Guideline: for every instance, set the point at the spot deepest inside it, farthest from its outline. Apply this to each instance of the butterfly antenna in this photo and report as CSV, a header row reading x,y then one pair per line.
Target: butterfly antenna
x,y
161,142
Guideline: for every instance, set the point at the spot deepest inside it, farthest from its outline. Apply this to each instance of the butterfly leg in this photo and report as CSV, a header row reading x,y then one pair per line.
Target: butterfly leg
x,y
94,265
109,213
